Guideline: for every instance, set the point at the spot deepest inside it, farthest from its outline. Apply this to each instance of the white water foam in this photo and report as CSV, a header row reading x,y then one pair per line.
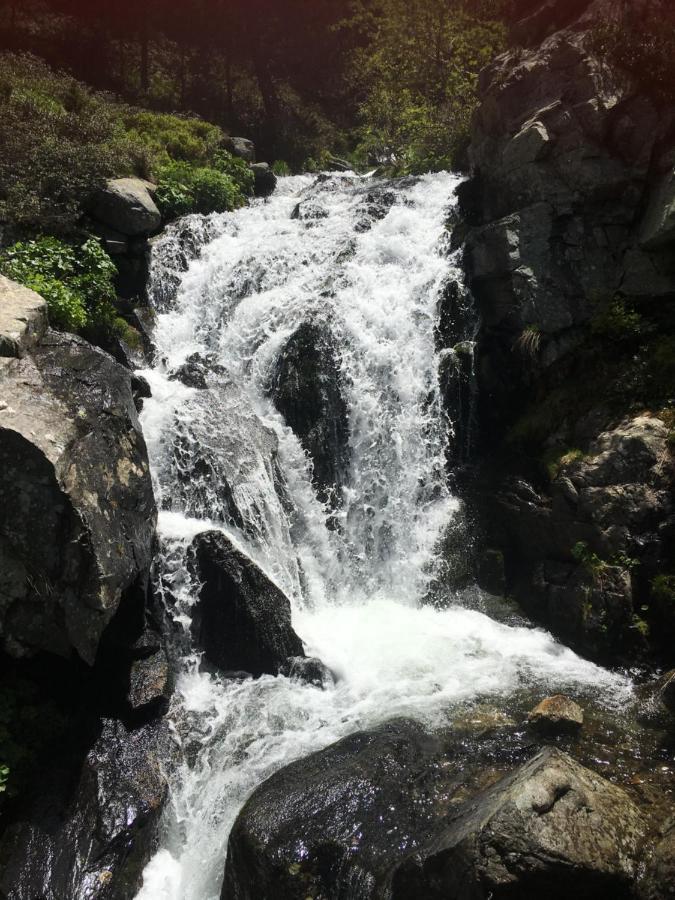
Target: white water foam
x,y
355,591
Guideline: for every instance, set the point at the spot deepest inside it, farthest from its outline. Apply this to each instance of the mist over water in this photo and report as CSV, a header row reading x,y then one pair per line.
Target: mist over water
x,y
224,458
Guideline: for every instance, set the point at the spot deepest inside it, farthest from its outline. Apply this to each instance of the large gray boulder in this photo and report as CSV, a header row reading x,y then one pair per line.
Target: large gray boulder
x,y
23,318
265,181
398,814
552,828
126,206
77,512
241,147
242,619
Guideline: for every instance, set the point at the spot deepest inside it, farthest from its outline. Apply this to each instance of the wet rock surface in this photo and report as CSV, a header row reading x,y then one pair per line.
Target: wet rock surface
x,y
77,516
398,813
242,619
92,839
556,715
307,391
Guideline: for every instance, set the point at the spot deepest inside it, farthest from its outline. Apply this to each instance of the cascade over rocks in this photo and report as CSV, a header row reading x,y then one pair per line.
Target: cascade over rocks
x,y
242,619
569,221
77,512
307,391
398,813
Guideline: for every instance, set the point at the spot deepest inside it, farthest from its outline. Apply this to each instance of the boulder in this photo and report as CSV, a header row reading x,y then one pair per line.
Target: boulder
x,y
556,715
77,511
242,619
552,828
658,881
95,841
309,670
126,206
265,181
23,318
307,390
399,814
241,147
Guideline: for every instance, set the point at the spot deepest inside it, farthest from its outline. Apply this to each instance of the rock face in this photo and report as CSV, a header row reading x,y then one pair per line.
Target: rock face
x,y
23,318
97,848
390,814
126,206
77,512
568,251
307,391
242,619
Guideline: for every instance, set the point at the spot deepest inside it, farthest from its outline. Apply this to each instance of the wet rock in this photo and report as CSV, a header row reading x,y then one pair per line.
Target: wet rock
x,y
265,181
551,828
23,318
490,574
242,619
94,842
308,669
192,373
307,391
77,512
150,684
126,206
658,882
397,813
556,715
141,390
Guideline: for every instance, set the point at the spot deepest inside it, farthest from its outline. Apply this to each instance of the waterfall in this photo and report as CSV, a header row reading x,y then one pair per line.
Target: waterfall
x,y
364,264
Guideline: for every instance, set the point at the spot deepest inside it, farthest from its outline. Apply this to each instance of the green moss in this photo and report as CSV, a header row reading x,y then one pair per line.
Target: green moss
x,y
641,626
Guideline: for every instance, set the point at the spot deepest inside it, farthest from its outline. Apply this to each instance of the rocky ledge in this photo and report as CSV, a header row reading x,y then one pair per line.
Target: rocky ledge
x,y
569,237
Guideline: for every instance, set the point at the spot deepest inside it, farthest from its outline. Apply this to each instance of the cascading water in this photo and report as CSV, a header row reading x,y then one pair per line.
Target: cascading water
x,y
364,262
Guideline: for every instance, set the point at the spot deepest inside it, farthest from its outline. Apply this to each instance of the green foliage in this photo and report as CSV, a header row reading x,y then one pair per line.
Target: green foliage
x,y
663,364
183,189
596,566
616,321
168,137
76,281
418,70
236,169
4,777
281,168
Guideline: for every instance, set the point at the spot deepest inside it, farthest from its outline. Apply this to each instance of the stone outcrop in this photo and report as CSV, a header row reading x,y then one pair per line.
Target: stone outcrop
x,y
397,813
307,391
242,619
556,715
23,318
96,843
77,512
568,250
241,147
126,206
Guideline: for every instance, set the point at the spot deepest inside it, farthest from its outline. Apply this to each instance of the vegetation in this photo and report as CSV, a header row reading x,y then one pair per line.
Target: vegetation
x,y
76,280
60,141
419,64
663,589
616,320
557,460
529,341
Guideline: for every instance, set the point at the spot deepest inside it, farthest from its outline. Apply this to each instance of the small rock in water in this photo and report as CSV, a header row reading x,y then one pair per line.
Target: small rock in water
x,y
557,715
308,669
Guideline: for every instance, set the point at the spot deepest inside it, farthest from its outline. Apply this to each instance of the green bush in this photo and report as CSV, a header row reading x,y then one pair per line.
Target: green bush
x,y
237,169
76,281
616,321
281,168
183,189
168,137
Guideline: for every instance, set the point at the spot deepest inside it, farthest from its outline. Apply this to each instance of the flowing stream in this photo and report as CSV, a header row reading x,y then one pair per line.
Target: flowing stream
x,y
366,262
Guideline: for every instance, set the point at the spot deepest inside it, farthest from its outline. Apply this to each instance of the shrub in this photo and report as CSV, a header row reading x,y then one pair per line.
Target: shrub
x,y
616,321
237,169
557,460
663,589
168,137
183,189
281,168
76,281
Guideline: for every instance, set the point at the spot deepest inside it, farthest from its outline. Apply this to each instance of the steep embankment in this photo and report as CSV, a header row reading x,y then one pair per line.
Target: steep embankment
x,y
570,255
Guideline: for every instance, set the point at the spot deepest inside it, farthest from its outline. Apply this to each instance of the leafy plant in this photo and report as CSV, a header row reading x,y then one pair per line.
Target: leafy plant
x,y
557,460
4,777
663,589
183,189
616,320
76,281
281,168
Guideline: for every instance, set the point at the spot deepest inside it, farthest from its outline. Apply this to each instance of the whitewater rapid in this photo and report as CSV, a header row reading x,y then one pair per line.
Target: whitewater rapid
x,y
368,262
